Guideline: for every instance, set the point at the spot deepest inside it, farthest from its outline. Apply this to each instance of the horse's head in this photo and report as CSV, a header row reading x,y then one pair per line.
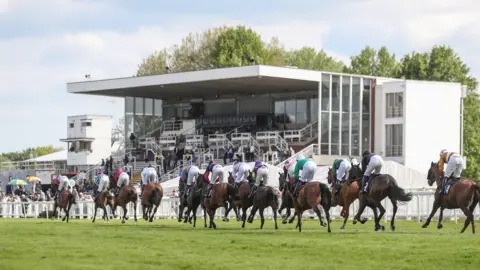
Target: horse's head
x,y
200,181
330,178
282,180
433,174
355,172
231,180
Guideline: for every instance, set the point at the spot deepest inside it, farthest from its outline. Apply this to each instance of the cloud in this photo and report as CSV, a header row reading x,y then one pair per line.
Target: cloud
x,y
36,66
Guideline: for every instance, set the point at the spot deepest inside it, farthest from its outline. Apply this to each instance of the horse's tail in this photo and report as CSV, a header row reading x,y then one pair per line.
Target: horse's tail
x,y
398,193
131,193
272,193
326,194
156,195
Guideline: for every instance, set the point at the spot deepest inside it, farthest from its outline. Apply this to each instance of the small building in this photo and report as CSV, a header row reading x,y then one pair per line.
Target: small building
x,y
89,140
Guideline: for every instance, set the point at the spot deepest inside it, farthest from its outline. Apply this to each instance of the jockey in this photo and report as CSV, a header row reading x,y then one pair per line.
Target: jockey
x,y
289,169
123,179
192,173
341,169
308,168
217,174
240,171
454,167
103,184
62,185
149,175
370,163
260,174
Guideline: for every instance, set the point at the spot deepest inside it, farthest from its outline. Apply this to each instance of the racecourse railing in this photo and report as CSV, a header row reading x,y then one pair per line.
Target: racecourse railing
x,y
417,209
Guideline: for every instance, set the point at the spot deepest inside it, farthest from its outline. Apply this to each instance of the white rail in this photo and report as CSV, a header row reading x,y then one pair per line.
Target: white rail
x,y
301,135
306,152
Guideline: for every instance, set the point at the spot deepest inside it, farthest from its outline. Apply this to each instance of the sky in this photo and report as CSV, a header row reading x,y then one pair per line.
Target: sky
x,y
46,43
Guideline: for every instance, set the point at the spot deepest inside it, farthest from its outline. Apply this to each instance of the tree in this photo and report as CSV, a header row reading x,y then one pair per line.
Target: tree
x,y
371,62
309,58
154,64
274,53
30,153
238,47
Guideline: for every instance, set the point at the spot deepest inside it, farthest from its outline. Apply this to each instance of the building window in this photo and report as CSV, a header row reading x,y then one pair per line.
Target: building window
x,y
394,140
394,105
129,104
138,106
148,106
86,124
71,125
291,111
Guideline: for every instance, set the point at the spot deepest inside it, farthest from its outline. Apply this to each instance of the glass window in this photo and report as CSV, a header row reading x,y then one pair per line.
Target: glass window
x,y
139,126
314,110
129,105
279,107
290,110
394,107
356,94
335,148
138,106
366,95
128,125
301,114
158,107
149,125
148,106
394,140
335,93
345,134
365,131
355,142
345,94
325,92
324,131
157,124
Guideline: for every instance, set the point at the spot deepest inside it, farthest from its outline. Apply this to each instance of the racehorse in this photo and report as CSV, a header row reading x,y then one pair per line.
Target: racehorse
x,y
65,201
194,200
221,195
287,201
241,200
103,199
127,194
380,187
348,192
312,196
152,196
464,194
265,196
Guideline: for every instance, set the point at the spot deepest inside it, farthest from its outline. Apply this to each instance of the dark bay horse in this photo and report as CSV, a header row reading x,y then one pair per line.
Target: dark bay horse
x,y
127,194
312,196
241,200
193,201
348,192
152,196
287,201
65,201
264,197
464,194
221,195
103,199
381,186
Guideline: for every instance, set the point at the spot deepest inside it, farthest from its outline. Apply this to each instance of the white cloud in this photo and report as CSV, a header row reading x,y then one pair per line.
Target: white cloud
x,y
35,69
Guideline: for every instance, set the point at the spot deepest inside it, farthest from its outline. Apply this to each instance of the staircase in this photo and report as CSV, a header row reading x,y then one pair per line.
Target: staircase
x,y
307,152
89,171
302,136
244,139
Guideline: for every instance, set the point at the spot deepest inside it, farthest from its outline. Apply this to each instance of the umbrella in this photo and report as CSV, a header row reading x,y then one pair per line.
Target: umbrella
x,y
32,179
18,182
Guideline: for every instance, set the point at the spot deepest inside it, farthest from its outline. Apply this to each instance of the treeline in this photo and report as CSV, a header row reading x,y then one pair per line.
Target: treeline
x,y
239,46
28,153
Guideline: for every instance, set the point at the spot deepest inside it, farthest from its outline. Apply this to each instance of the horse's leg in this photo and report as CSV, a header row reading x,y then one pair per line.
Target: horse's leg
x,y
124,207
212,217
194,214
472,209
105,218
262,219
469,218
327,215
135,211
186,216
299,221
293,217
436,205
205,215
395,208
153,213
363,204
244,216
316,209
440,218
282,206
227,210
95,213
274,210
252,214
345,216
180,212
380,216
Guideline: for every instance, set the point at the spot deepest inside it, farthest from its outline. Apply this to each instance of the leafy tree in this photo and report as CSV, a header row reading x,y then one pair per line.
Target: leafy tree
x,y
238,47
274,53
371,62
29,153
309,58
154,64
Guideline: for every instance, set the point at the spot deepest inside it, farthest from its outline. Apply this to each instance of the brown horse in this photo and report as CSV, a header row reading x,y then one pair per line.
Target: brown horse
x,y
287,201
127,194
152,196
348,192
464,194
194,200
312,196
103,199
380,187
264,197
65,201
220,196
241,199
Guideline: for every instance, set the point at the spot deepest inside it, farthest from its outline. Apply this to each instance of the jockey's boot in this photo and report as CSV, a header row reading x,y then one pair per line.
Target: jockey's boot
x,y
210,188
443,185
252,192
117,191
297,189
187,191
365,184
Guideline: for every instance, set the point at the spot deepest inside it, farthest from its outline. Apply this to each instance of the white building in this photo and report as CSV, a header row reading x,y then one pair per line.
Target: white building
x,y
89,139
405,121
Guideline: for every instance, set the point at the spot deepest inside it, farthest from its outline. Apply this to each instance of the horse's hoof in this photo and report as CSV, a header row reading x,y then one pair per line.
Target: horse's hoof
x,y
329,231
392,228
323,224
364,220
439,226
226,219
342,227
354,222
377,227
291,221
239,219
424,226
383,228
123,221
180,220
284,222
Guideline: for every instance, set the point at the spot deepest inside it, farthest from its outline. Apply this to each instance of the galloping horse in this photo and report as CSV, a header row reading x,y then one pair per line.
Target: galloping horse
x,y
152,196
65,201
287,201
264,197
127,194
103,199
221,195
312,196
348,192
464,194
241,200
380,187
194,200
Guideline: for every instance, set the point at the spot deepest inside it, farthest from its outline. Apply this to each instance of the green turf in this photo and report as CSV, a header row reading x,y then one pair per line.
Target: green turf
x,y
166,244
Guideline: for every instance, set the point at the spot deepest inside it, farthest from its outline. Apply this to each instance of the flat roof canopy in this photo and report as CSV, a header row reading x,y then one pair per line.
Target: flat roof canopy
x,y
197,84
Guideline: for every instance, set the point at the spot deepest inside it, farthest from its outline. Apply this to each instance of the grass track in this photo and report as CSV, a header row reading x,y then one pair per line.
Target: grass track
x,y
166,244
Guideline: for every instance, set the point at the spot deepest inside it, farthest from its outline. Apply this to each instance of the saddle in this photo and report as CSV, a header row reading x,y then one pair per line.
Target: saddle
x,y
450,183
